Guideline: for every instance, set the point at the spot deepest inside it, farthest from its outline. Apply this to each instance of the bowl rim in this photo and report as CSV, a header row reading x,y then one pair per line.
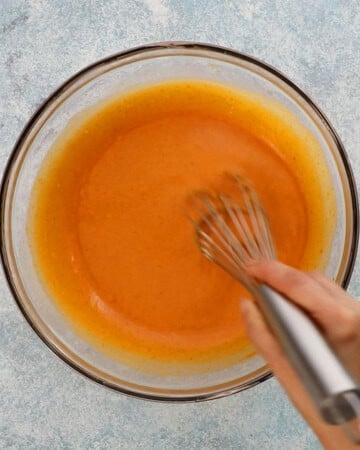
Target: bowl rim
x,y
143,49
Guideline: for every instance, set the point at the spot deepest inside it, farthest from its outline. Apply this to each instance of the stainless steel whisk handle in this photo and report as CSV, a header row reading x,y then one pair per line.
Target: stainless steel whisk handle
x,y
334,391
232,229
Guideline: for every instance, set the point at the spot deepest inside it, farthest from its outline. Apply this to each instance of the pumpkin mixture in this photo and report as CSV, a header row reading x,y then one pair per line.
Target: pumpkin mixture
x,y
109,236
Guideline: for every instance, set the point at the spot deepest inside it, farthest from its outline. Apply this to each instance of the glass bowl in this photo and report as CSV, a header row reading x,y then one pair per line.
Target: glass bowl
x,y
112,76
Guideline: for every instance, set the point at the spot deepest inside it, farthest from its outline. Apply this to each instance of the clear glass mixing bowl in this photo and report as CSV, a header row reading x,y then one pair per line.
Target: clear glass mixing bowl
x,y
112,76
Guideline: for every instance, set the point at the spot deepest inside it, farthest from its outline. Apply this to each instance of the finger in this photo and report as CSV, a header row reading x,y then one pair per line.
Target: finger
x,y
333,289
266,343
299,288
345,336
259,332
339,323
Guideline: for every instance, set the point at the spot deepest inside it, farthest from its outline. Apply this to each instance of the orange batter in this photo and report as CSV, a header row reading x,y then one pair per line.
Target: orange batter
x,y
109,234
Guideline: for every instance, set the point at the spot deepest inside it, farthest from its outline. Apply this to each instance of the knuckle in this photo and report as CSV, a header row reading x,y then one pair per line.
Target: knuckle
x,y
315,274
295,280
349,326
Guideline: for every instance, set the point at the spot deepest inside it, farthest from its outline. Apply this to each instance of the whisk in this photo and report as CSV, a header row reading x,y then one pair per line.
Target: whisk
x,y
232,229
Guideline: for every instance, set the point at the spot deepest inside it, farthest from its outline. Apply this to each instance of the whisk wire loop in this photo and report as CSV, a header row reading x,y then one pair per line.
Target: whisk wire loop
x,y
232,228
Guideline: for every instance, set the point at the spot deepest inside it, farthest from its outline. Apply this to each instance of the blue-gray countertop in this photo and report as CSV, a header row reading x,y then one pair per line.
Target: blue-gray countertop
x,y
43,403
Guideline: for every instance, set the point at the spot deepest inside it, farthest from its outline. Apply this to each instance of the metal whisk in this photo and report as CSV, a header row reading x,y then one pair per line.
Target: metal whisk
x,y
232,229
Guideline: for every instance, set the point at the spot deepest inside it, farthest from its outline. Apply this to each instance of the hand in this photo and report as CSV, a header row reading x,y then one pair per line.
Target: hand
x,y
333,310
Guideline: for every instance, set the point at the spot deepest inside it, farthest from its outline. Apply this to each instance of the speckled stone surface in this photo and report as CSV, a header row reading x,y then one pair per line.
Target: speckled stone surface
x,y
43,403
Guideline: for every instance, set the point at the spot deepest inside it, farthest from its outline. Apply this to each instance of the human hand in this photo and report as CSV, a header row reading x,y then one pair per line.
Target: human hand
x,y
336,314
